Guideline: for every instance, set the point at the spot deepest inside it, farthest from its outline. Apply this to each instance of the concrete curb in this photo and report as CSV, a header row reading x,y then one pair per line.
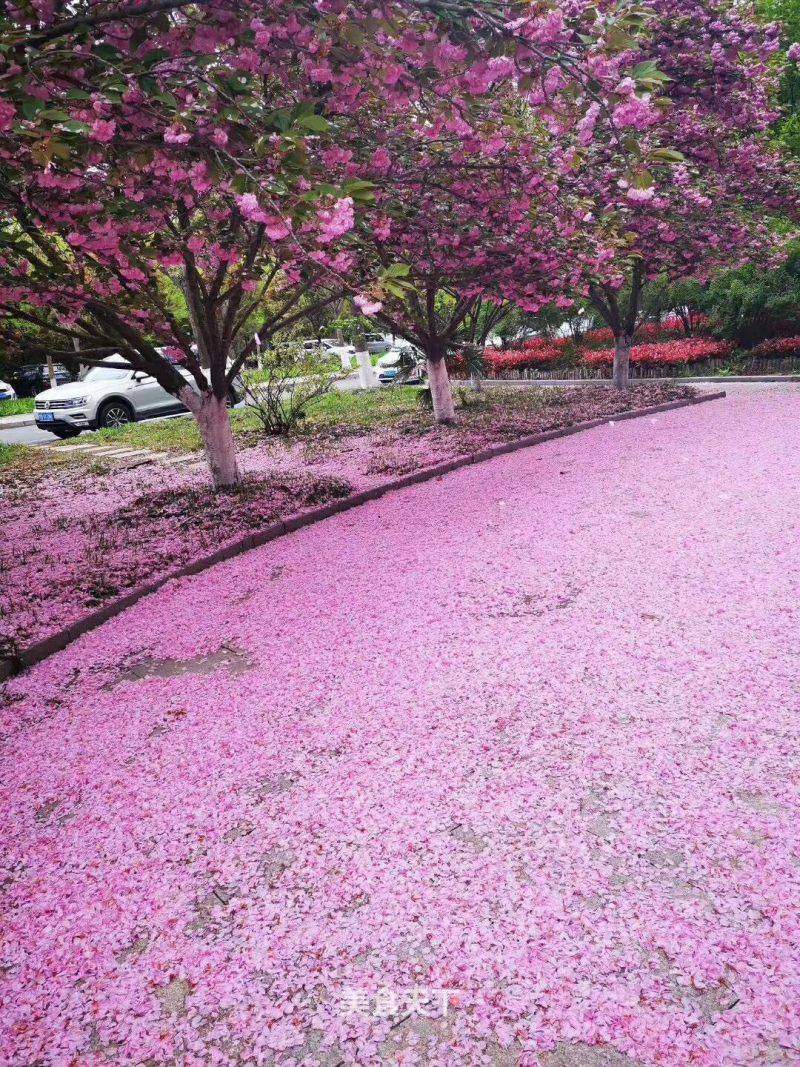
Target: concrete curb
x,y
39,651
13,422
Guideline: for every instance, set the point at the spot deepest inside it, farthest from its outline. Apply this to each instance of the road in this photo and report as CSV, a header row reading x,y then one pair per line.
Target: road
x,y
25,435
524,738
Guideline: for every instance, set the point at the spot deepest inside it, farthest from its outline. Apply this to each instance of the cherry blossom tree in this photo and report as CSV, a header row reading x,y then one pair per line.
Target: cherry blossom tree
x,y
449,238
701,191
200,145
157,145
471,204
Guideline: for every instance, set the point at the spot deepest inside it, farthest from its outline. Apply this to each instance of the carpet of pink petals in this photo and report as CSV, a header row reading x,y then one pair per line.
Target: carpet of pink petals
x,y
73,540
528,733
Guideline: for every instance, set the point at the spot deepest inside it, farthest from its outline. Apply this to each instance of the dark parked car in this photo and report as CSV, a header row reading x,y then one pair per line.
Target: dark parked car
x,y
32,378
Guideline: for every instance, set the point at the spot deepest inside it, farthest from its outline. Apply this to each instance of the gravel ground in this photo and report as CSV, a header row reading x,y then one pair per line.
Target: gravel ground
x,y
527,735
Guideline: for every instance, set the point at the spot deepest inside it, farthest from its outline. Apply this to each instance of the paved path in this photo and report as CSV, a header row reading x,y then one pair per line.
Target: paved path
x,y
529,734
25,435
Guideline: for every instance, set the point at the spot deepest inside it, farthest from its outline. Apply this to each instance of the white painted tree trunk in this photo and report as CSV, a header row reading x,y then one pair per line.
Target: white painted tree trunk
x,y
82,368
622,362
366,374
474,358
444,409
214,423
51,372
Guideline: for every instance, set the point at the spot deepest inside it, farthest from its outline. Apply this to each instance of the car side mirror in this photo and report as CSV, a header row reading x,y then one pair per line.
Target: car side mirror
x,y
139,376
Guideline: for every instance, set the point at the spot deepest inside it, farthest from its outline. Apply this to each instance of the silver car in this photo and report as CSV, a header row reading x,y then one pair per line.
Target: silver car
x,y
107,396
376,343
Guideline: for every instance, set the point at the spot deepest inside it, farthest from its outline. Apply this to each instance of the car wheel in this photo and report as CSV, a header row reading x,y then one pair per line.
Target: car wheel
x,y
65,434
114,413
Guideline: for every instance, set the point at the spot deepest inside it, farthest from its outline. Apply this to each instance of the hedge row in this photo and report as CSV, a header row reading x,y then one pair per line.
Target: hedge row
x,y
547,355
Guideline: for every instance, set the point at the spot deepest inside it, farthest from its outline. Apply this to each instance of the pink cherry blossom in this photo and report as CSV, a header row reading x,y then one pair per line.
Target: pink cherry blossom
x,y
336,221
366,304
7,114
103,130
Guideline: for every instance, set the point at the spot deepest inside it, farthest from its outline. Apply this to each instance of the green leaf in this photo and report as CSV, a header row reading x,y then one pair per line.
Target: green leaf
x,y
397,270
315,123
648,74
362,192
53,114
618,40
641,179
282,119
74,126
398,289
645,69
154,57
667,155
107,52
31,107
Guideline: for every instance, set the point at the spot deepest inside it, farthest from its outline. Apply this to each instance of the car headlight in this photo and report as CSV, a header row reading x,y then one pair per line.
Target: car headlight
x,y
76,401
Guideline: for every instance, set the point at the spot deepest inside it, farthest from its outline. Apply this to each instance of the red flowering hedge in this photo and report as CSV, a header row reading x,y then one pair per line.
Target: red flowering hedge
x,y
778,346
602,336
544,354
666,354
539,353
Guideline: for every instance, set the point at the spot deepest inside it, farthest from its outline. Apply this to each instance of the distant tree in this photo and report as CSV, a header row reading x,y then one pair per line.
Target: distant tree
x,y
749,305
686,299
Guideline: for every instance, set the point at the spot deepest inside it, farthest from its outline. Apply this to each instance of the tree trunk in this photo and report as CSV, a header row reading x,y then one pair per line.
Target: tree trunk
x,y
51,372
444,409
366,376
475,364
214,423
622,361
81,368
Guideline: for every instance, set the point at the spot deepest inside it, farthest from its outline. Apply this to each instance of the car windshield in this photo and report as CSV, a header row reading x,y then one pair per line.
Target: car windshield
x,y
107,374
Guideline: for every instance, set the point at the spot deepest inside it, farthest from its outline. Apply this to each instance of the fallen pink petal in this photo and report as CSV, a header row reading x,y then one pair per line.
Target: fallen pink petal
x,y
399,514
526,734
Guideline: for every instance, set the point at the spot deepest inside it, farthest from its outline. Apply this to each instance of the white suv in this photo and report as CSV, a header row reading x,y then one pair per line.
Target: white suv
x,y
106,396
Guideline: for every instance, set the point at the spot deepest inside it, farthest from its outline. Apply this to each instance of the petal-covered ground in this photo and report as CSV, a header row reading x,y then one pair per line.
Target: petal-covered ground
x,y
501,769
75,536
